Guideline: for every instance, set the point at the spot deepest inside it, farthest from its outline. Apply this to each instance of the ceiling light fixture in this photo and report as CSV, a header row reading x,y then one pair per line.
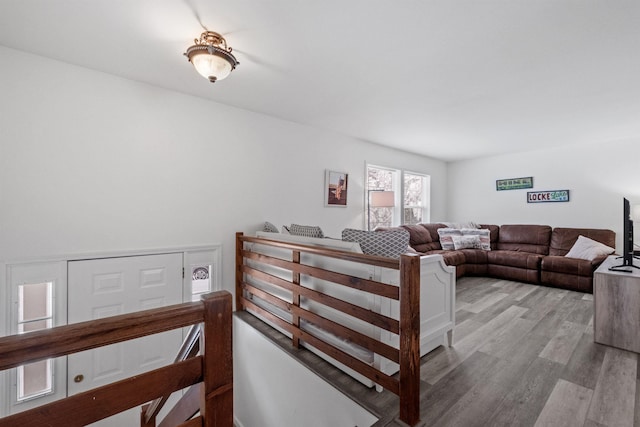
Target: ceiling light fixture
x,y
211,56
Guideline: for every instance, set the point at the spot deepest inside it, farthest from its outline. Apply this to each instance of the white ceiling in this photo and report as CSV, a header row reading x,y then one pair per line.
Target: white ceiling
x,y
451,79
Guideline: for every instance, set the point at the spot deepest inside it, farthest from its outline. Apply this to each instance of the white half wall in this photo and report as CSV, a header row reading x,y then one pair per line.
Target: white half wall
x,y
597,176
91,162
264,378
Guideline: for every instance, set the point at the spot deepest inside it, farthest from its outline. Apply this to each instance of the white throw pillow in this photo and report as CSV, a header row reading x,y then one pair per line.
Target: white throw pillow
x,y
466,242
484,234
446,237
588,249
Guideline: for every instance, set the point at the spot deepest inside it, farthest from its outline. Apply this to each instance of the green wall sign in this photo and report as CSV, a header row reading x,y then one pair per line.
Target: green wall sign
x,y
514,183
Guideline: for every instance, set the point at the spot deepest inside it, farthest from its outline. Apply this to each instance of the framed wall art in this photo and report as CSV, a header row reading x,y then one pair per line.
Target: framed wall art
x,y
335,188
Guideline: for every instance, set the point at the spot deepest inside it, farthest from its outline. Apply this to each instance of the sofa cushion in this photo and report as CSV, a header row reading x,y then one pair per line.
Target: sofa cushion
x,y
513,273
390,244
452,258
587,249
567,281
494,232
432,228
563,239
515,259
474,256
418,235
420,239
565,265
525,238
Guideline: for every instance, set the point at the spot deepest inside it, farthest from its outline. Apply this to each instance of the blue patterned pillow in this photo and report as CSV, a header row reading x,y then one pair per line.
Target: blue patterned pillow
x,y
390,244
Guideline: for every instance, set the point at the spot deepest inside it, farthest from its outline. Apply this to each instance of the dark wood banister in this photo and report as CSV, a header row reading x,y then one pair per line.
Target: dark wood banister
x,y
407,385
213,369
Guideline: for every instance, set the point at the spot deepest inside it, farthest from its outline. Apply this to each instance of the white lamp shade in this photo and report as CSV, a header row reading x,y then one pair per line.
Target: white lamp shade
x,y
635,213
382,199
211,66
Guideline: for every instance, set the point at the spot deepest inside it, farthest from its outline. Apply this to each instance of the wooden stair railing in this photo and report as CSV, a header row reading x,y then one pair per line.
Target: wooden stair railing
x,y
210,374
190,347
407,327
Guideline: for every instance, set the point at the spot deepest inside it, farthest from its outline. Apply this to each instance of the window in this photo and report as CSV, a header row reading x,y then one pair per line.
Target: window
x,y
380,179
38,300
200,281
411,201
201,273
416,196
35,312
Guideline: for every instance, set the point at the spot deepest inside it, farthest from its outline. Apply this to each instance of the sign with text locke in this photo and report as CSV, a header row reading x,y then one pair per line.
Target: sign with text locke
x,y
547,196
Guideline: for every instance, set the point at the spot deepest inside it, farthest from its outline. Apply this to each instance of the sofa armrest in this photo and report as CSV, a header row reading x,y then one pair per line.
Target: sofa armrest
x,y
599,260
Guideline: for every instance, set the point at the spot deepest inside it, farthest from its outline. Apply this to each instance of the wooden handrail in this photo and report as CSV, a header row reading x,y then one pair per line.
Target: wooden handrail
x,y
49,343
93,405
213,370
407,327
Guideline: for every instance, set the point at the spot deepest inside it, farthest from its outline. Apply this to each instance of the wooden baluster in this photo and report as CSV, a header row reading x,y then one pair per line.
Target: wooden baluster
x,y
239,263
295,298
410,339
216,400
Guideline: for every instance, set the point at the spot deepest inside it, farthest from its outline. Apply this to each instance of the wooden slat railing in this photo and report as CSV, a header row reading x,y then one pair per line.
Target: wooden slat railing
x,y
407,384
211,372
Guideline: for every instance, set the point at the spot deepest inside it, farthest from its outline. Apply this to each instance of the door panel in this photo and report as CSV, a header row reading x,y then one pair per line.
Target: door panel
x,y
110,286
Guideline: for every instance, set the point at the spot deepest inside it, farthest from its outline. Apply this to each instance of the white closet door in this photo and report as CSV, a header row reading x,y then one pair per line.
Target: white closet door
x,y
111,286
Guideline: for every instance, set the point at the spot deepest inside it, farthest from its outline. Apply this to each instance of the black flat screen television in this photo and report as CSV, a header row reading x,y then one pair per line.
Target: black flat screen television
x,y
627,240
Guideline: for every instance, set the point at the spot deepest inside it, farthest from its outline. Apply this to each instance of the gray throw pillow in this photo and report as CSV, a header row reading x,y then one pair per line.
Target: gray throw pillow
x,y
390,244
270,228
306,230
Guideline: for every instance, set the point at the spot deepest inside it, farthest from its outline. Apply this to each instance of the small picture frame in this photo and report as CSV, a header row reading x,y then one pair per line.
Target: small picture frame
x,y
335,188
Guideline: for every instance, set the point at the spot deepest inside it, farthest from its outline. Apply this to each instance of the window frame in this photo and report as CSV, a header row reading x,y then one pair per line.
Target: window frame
x,y
398,186
426,196
54,272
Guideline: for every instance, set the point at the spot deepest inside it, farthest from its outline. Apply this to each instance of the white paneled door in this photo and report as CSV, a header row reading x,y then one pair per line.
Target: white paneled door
x,y
105,287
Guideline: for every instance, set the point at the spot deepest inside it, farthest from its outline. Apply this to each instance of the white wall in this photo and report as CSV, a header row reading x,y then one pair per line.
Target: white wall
x,y
91,162
598,177
275,374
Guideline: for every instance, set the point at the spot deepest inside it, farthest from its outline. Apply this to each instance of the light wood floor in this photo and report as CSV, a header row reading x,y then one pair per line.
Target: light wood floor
x,y
523,355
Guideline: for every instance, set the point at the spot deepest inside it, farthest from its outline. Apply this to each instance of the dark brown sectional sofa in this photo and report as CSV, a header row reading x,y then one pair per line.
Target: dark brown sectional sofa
x,y
525,253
